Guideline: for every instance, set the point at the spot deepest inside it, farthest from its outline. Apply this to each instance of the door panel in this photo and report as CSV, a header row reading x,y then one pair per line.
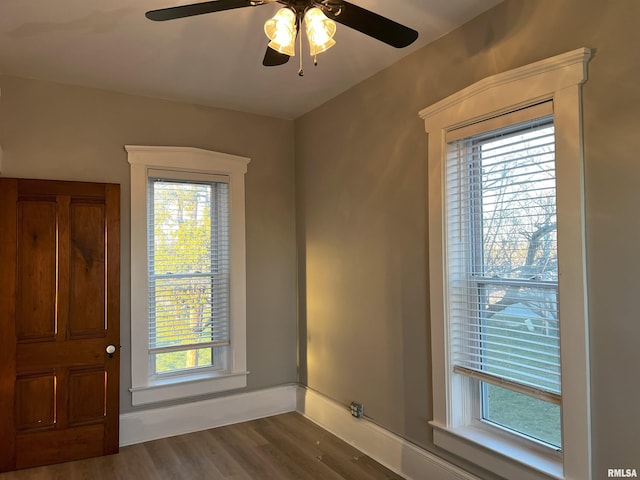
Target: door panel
x,y
36,269
35,401
87,274
86,396
59,309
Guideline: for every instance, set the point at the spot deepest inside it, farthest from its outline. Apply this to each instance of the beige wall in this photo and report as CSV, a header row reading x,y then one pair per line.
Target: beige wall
x,y
361,183
63,132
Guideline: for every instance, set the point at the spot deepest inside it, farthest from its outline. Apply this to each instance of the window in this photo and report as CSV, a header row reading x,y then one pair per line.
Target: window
x,y
507,272
503,272
188,273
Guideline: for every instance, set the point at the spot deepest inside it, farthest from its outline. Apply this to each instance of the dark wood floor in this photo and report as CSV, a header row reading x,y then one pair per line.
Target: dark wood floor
x,y
284,447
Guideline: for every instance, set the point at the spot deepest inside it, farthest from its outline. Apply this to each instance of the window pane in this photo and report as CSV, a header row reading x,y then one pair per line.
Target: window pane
x,y
176,361
521,413
518,205
519,335
182,227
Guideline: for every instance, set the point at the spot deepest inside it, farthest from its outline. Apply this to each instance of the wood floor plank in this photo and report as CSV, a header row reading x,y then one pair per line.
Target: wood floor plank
x,y
283,447
242,457
344,459
299,460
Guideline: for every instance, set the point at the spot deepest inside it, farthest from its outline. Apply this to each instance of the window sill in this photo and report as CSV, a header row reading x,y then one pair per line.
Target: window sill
x,y
183,386
499,453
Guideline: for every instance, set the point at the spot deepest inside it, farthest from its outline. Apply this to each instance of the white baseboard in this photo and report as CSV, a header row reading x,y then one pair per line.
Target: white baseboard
x,y
152,424
392,451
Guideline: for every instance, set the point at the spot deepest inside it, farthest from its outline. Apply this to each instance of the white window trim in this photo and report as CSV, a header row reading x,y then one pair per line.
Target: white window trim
x,y
558,79
146,389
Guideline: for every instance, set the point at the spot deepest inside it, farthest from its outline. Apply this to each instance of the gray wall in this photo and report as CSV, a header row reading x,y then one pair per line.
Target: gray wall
x,y
62,132
361,194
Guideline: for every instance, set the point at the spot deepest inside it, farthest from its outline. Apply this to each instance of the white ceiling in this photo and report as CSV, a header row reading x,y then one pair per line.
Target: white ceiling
x,y
213,59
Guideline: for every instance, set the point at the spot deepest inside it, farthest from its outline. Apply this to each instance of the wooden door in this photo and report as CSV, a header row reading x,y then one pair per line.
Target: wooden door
x,y
59,310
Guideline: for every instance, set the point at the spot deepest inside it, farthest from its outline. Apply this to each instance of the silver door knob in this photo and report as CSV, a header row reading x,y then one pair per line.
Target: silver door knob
x,y
111,349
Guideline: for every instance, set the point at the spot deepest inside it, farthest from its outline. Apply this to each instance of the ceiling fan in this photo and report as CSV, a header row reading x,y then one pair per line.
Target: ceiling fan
x,y
319,17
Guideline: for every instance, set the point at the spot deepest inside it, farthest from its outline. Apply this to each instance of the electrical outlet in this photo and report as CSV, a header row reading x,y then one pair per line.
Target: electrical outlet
x,y
357,409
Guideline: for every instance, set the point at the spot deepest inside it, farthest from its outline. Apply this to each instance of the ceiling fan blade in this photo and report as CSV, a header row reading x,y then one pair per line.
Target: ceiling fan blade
x,y
372,24
182,11
273,58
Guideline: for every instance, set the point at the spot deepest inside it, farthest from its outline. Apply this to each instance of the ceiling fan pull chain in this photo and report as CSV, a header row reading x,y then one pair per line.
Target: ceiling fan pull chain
x,y
300,72
315,60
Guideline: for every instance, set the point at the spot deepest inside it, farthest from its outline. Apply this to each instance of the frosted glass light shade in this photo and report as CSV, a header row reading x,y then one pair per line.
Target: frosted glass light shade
x,y
320,31
281,30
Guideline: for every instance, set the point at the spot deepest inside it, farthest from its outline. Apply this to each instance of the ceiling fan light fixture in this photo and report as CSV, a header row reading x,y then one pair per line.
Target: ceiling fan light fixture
x,y
281,30
320,31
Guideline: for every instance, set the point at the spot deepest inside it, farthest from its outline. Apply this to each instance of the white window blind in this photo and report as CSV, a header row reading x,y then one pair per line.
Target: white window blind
x,y
188,262
502,263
